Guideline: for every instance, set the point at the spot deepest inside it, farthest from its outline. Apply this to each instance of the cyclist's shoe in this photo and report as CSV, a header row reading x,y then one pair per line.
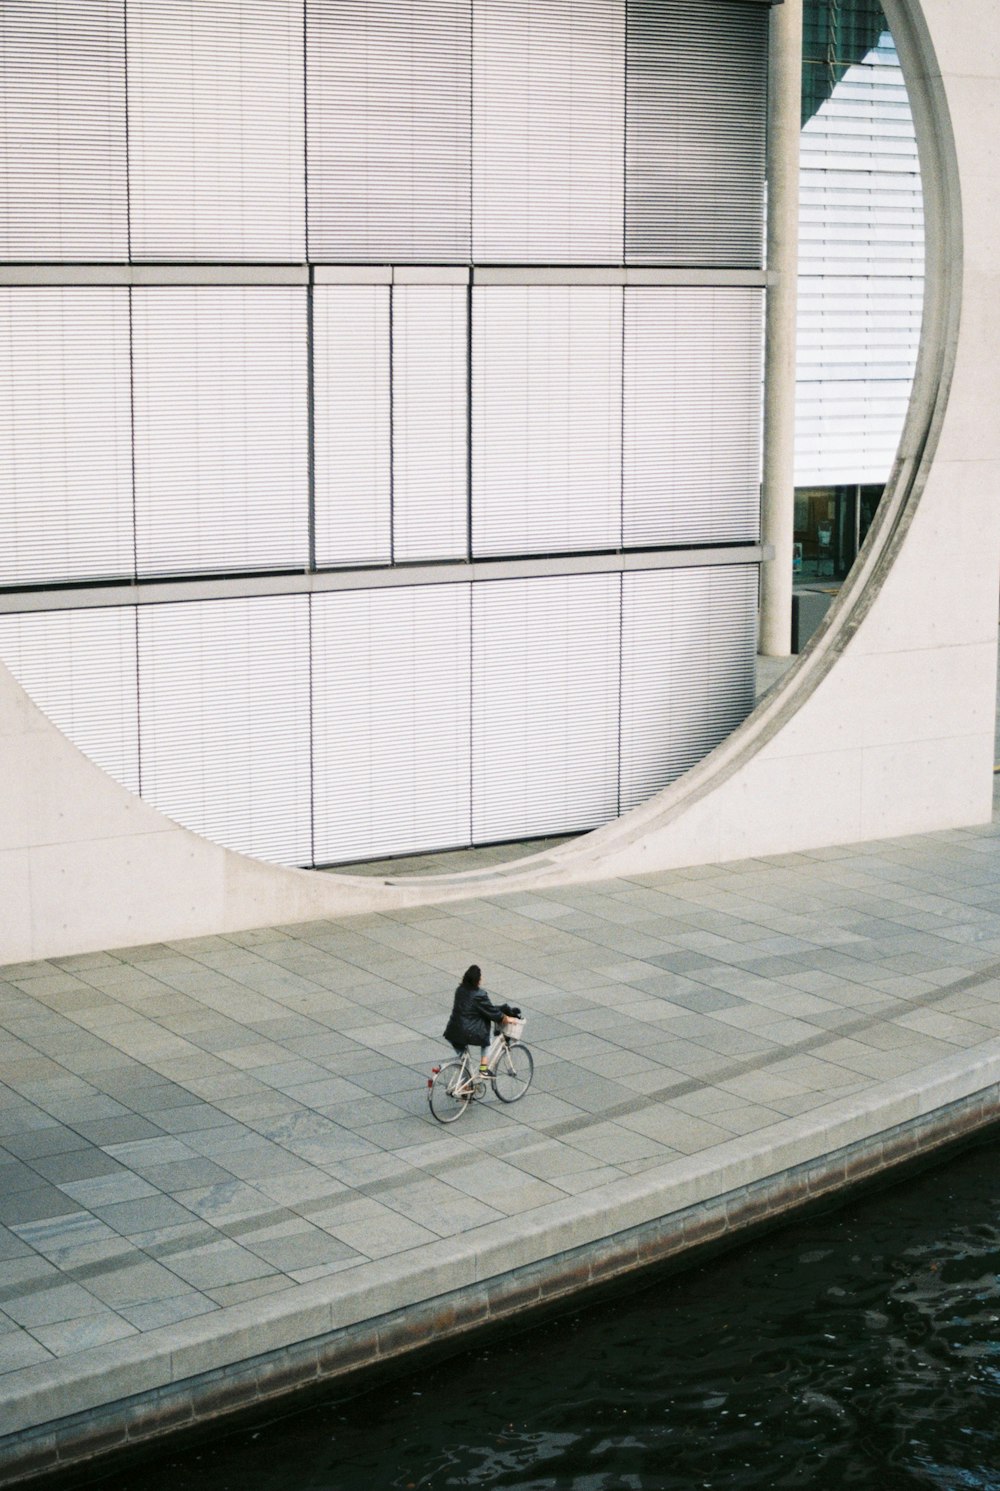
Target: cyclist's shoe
x,y
484,1069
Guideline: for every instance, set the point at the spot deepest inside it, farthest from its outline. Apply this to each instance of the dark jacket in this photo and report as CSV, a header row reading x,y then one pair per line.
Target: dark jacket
x,y
472,1016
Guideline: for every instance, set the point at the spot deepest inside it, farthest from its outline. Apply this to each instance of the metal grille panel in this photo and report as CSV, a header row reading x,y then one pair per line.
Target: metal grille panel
x,y
548,131
216,134
692,415
429,413
695,131
224,721
353,477
391,712
79,667
63,187
545,706
389,130
65,436
221,465
688,669
546,419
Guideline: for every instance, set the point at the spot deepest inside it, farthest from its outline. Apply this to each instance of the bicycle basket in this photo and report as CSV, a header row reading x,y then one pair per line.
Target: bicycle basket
x,y
512,1028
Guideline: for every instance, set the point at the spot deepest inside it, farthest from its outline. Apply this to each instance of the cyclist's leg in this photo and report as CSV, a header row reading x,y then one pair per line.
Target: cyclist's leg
x,y
465,1056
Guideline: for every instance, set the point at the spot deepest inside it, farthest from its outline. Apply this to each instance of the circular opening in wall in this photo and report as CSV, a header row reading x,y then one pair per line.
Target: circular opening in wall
x,y
451,538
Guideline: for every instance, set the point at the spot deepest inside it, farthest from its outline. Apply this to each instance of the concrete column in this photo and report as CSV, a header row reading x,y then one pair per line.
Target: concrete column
x,y
778,493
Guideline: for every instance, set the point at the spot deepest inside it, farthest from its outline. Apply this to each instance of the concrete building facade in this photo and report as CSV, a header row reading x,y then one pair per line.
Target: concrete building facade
x,y
884,728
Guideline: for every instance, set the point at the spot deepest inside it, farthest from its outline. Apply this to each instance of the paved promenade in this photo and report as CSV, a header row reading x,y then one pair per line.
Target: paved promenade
x,y
201,1137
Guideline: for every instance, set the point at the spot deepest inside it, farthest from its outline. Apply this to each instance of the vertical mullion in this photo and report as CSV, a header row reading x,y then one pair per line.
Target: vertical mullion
x,y
311,424
305,126
468,419
312,734
392,439
128,164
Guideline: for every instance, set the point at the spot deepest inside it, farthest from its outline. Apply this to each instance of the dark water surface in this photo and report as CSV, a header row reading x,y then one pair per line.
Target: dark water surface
x,y
857,1348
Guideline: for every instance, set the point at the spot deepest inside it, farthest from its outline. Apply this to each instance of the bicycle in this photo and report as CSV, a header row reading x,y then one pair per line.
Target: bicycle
x,y
510,1067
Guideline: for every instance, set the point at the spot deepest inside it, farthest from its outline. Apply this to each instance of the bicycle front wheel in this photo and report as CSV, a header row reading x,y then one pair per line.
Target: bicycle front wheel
x,y
449,1093
513,1072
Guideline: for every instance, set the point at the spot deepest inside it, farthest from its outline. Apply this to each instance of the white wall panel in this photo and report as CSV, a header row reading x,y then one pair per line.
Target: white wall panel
x,y
79,667
545,705
63,188
216,129
696,95
688,665
221,462
389,130
429,413
391,711
861,265
692,405
546,418
224,721
352,401
548,131
65,436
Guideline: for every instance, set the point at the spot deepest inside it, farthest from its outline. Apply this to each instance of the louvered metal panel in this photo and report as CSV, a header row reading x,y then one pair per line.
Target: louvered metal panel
x,y
688,665
545,705
548,131
221,464
216,129
546,418
63,187
391,720
224,721
388,128
79,667
861,266
695,132
352,422
429,411
692,415
65,436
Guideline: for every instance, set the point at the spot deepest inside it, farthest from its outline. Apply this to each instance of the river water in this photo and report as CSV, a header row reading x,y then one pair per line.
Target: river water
x,y
857,1348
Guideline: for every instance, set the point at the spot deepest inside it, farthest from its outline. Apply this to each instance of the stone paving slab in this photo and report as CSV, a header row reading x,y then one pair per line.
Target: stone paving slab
x,y
208,1146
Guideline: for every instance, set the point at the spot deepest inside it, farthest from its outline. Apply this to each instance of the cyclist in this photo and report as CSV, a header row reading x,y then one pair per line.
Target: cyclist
x,y
473,1015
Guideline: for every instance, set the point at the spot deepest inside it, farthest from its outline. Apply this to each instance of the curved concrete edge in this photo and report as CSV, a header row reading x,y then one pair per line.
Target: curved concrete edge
x,y
884,728
51,1410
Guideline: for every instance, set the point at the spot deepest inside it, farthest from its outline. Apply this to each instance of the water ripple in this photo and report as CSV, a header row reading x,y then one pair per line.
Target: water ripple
x,y
858,1349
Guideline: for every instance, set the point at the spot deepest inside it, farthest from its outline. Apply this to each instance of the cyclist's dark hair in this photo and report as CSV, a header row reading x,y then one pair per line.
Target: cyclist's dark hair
x,y
471,976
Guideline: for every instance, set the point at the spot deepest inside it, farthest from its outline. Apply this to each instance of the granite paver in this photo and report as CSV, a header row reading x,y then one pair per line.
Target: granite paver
x,y
190,1127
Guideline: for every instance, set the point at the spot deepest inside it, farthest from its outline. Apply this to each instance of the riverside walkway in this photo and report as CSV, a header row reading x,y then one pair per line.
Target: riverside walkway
x,y
217,1150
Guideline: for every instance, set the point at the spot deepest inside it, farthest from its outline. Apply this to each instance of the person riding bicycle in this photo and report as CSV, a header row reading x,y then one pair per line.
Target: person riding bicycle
x,y
473,1015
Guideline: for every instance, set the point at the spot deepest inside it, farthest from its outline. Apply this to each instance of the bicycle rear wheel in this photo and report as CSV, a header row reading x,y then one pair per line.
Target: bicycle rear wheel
x,y
449,1093
513,1072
